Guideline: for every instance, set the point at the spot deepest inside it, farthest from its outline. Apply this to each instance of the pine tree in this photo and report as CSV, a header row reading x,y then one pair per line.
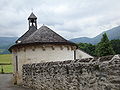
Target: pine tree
x,y
104,47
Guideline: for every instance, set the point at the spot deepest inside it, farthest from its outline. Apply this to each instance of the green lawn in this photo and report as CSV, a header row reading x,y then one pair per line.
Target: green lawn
x,y
6,58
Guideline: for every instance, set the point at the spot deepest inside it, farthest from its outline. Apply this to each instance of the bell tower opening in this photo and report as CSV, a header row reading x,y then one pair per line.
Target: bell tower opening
x,y
32,21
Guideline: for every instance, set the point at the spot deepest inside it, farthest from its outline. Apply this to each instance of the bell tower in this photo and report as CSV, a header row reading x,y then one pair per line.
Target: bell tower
x,y
32,21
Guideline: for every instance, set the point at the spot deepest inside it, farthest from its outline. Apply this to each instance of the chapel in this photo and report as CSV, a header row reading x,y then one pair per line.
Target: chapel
x,y
40,45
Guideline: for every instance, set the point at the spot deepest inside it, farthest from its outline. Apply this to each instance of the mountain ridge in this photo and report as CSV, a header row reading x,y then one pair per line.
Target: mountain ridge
x,y
113,33
5,43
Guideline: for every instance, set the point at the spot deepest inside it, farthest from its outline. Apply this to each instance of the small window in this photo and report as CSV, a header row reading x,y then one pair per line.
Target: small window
x,y
16,63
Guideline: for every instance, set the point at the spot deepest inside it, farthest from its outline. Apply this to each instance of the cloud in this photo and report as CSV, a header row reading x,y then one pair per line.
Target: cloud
x,y
69,18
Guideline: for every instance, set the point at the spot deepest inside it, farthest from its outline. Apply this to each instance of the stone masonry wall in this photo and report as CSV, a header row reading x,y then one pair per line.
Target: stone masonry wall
x,y
85,74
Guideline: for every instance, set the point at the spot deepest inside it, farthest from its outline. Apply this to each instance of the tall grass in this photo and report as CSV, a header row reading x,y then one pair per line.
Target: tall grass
x,y
6,58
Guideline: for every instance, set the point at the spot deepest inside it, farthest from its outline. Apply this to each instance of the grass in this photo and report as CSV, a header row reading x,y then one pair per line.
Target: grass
x,y
6,58
6,68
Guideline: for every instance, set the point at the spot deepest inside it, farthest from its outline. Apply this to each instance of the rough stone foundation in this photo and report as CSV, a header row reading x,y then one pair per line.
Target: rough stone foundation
x,y
85,74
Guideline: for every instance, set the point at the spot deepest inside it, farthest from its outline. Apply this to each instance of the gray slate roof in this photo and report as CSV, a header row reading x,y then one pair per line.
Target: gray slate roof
x,y
27,34
45,35
32,16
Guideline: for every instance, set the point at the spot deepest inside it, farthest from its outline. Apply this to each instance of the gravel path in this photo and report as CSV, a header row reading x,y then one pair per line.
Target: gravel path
x,y
6,83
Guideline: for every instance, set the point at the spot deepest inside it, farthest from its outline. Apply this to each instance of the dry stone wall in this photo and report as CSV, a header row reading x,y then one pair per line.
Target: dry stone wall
x,y
85,74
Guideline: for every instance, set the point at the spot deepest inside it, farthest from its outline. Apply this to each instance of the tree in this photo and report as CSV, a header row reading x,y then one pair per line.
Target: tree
x,y
104,47
89,48
116,45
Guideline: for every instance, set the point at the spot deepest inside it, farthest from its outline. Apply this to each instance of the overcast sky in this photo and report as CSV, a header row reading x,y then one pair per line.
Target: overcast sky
x,y
69,18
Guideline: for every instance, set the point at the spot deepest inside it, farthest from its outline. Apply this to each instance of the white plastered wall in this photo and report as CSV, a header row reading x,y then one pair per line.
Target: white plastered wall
x,y
80,54
39,55
48,55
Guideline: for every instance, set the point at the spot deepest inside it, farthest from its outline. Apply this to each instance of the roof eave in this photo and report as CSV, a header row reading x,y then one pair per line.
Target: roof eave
x,y
42,43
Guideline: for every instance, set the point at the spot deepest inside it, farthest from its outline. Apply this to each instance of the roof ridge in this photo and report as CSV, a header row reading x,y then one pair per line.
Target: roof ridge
x,y
47,36
31,35
24,36
55,32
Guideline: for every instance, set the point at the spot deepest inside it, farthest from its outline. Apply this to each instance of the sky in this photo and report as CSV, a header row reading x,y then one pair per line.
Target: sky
x,y
69,18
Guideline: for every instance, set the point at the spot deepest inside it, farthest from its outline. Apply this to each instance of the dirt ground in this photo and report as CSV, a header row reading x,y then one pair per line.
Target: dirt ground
x,y
6,83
